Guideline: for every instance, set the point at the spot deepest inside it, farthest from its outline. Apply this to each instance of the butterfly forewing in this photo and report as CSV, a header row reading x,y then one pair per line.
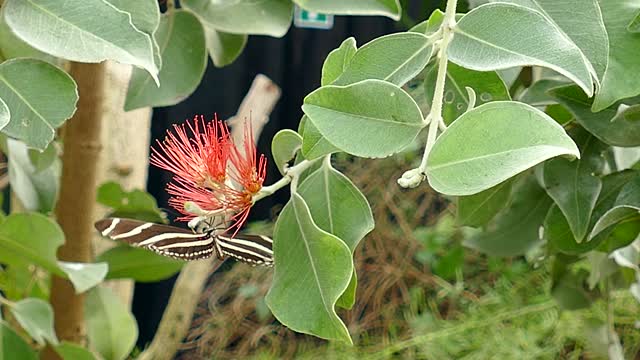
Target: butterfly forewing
x,y
163,239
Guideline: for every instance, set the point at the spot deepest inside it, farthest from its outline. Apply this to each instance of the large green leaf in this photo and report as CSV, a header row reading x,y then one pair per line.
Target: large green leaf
x,y
36,318
71,351
184,58
515,229
371,118
575,185
625,208
488,85
13,347
388,8
623,54
314,145
30,238
145,16
84,276
36,188
499,46
557,230
284,146
224,48
256,17
138,264
337,61
607,125
75,32
314,268
25,87
491,143
12,46
111,328
135,204
339,208
589,33
396,58
479,209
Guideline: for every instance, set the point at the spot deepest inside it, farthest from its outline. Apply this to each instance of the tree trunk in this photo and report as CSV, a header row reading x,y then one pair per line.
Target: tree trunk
x,y
125,155
75,207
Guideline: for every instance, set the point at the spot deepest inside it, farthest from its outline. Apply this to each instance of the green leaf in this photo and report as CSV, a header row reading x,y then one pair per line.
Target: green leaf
x,y
477,210
145,16
135,204
515,229
488,85
284,146
396,58
589,34
255,17
634,25
12,47
30,238
5,114
491,143
431,25
536,94
339,208
72,31
557,230
605,125
480,47
337,61
41,160
623,54
111,328
13,347
314,145
84,276
625,208
25,87
184,59
71,351
224,48
36,189
314,268
388,8
574,185
372,118
36,318
138,264
570,293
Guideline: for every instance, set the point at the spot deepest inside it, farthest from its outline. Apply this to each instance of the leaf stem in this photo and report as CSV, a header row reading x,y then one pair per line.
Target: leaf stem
x,y
6,302
414,177
291,174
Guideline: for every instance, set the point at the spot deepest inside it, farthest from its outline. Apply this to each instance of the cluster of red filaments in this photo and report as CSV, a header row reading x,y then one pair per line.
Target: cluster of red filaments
x,y
211,171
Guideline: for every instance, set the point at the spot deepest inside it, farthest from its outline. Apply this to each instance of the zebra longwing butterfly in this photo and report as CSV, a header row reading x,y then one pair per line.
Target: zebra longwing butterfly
x,y
184,244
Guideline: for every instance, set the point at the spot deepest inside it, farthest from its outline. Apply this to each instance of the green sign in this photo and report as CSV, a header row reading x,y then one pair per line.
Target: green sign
x,y
309,19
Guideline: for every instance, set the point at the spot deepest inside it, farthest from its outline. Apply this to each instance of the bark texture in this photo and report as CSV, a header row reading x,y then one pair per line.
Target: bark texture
x,y
76,202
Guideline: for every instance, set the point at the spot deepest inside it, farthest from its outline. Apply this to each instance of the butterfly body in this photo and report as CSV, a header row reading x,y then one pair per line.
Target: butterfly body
x,y
187,245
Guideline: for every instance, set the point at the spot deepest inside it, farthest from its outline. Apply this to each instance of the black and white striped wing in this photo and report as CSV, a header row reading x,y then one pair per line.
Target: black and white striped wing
x,y
163,239
251,249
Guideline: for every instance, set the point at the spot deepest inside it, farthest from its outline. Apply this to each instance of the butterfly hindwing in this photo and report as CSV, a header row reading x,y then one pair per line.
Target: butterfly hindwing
x,y
252,249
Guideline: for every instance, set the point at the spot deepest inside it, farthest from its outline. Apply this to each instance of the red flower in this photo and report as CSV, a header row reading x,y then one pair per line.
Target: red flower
x,y
199,160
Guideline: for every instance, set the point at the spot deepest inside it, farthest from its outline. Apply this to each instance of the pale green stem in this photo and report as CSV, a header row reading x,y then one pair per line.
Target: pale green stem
x,y
414,177
291,174
435,114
